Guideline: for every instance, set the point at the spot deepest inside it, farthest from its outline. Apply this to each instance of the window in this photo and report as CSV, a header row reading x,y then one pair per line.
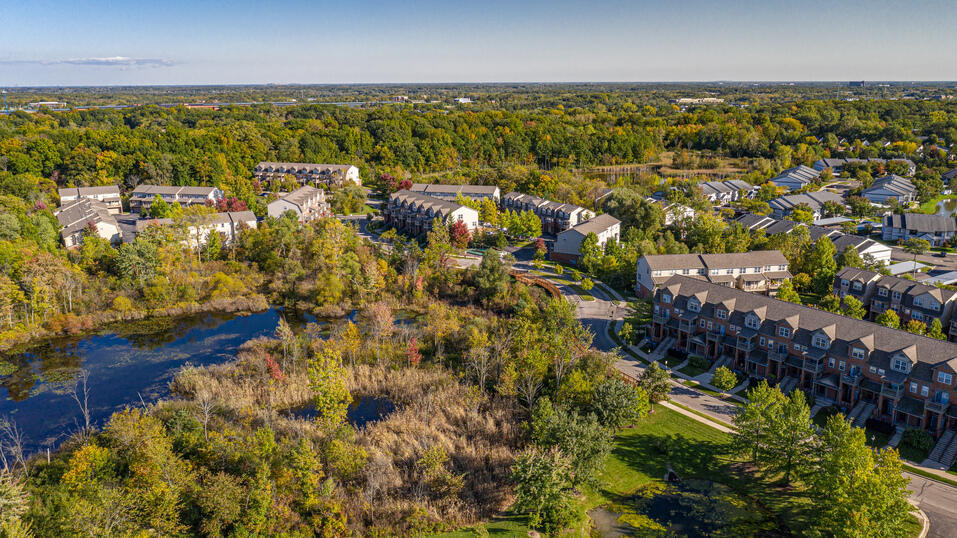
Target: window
x,y
841,365
751,321
729,271
701,324
896,296
762,341
666,298
830,362
797,346
918,316
857,353
882,292
821,341
880,371
710,326
913,388
722,314
924,390
872,369
857,286
845,283
945,378
917,301
901,365
694,305
784,332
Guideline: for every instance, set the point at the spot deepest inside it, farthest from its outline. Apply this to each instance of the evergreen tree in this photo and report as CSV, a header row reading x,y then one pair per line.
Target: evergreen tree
x,y
936,330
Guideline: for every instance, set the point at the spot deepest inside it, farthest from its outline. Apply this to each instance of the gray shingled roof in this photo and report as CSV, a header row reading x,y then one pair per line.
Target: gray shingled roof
x,y
922,223
886,341
755,258
75,215
595,225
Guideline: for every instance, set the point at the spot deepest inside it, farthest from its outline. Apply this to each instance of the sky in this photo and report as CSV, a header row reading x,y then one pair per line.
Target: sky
x,y
103,42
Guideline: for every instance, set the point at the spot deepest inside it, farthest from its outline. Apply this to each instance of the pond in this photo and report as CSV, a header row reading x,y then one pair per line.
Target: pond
x,y
128,363
947,207
361,411
689,508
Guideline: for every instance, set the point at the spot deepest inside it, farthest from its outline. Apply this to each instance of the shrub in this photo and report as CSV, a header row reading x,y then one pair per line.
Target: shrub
x,y
724,379
918,439
699,363
559,270
587,284
122,303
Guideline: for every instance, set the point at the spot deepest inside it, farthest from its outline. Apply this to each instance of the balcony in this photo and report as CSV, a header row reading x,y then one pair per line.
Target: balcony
x,y
851,379
744,345
891,392
779,356
813,367
661,318
935,407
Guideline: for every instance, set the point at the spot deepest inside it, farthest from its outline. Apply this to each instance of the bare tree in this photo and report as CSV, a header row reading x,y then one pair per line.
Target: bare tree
x,y
81,395
383,324
206,407
480,360
11,445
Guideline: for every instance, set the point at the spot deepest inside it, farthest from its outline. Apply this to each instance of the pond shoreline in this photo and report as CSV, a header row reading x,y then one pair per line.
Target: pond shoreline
x,y
93,324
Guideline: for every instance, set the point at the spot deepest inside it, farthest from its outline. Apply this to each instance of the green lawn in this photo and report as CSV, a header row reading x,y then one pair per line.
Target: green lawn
x,y
672,361
877,439
642,454
930,206
691,370
821,417
910,453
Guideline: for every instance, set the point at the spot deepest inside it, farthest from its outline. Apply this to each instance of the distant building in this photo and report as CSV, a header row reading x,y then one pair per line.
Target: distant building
x,y
727,191
414,212
143,196
308,203
795,178
79,215
674,212
109,195
783,206
891,187
837,164
556,217
760,271
568,243
876,251
308,173
937,229
463,100
451,192
227,224
949,176
698,101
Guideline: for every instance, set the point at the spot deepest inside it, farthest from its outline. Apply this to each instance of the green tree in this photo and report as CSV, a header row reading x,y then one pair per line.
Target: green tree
x,y
936,330
327,379
582,438
850,258
655,383
159,209
916,247
857,491
138,261
799,214
618,404
753,422
543,489
590,253
790,439
831,303
852,307
724,378
889,318
818,261
491,277
787,293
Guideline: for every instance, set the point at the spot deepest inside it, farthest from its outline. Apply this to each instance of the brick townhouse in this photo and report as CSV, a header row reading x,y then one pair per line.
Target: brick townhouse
x,y
413,212
556,217
910,299
869,370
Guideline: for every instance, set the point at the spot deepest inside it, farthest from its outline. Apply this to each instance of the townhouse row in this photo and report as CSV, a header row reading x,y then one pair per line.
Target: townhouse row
x,y
866,369
909,299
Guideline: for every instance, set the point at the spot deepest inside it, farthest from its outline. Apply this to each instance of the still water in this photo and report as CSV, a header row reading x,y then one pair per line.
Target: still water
x,y
127,364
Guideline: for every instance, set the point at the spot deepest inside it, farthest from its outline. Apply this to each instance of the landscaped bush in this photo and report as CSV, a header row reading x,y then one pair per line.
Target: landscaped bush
x,y
700,363
724,378
918,439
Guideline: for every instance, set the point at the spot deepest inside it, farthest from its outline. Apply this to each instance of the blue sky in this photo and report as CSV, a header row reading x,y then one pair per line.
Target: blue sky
x,y
60,42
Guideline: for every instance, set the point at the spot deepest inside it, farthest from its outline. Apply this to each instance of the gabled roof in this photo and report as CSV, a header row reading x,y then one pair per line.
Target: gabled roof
x,y
90,191
594,225
814,200
76,215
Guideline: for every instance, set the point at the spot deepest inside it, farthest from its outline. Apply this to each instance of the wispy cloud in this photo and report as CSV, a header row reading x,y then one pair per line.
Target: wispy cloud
x,y
112,61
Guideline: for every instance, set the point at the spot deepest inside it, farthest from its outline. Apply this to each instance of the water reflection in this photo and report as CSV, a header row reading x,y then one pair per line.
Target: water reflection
x,y
128,363
947,208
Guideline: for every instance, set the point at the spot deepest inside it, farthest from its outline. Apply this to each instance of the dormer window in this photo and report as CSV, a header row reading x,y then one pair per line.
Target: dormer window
x,y
857,353
945,378
694,305
882,292
857,286
722,314
821,341
901,365
752,321
784,332
666,298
